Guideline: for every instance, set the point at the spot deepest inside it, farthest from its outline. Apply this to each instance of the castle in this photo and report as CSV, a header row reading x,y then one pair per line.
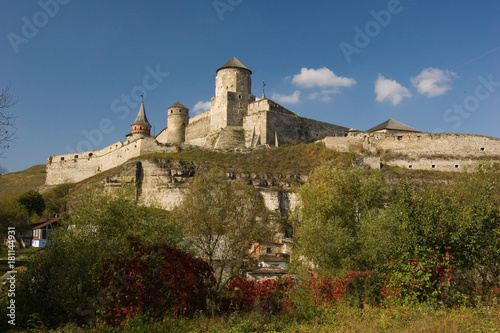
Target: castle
x,y
238,120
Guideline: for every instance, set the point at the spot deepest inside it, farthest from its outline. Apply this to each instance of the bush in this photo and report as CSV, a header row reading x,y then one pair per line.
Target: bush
x,y
328,290
153,281
269,296
417,279
61,283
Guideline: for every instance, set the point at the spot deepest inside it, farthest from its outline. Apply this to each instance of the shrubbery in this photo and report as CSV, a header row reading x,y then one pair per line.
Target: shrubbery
x,y
155,281
269,296
371,244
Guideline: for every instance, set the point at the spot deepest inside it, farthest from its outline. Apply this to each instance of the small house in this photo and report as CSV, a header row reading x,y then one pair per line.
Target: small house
x,y
42,230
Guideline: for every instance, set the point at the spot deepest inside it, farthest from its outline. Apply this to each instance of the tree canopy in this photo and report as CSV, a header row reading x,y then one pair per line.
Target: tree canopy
x,y
221,217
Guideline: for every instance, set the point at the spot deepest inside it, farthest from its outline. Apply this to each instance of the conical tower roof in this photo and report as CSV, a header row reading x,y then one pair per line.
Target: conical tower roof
x,y
141,119
393,125
234,63
178,105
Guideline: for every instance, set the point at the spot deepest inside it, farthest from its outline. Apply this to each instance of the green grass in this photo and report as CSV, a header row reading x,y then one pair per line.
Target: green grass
x,y
292,159
343,319
16,183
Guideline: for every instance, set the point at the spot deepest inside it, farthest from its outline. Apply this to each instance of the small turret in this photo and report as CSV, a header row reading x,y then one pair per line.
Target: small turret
x,y
141,124
178,119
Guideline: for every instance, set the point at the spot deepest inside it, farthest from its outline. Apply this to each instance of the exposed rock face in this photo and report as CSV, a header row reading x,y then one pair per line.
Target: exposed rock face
x,y
164,182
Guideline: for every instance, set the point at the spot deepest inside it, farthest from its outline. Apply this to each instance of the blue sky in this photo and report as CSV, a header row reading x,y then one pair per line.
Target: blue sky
x,y
79,67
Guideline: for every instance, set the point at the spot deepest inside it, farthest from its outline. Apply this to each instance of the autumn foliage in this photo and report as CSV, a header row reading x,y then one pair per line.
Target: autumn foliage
x,y
269,296
327,290
155,280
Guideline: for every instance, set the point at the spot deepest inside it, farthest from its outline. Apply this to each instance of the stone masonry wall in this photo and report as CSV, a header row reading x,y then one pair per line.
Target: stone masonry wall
x,y
72,168
432,151
198,127
265,118
232,95
254,126
291,128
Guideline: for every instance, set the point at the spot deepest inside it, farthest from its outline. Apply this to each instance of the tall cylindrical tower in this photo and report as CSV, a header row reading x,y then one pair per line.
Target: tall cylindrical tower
x,y
178,119
232,94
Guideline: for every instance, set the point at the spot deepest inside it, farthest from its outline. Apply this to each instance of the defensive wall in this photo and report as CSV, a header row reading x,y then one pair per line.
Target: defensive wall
x,y
72,168
269,123
427,151
198,127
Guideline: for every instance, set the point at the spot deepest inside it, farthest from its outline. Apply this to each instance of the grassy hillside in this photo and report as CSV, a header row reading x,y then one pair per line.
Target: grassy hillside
x,y
16,183
292,159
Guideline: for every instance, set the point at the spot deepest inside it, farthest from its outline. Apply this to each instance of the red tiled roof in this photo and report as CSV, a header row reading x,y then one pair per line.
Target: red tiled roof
x,y
43,222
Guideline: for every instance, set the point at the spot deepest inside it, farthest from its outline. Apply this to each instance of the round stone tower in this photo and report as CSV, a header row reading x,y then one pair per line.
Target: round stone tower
x,y
232,94
178,119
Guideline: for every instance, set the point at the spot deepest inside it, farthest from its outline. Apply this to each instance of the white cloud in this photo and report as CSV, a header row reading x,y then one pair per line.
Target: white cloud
x,y
314,95
287,99
433,81
321,77
390,90
323,95
201,107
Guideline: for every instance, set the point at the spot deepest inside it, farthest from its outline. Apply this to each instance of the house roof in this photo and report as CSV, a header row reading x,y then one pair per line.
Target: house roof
x,y
269,270
273,257
393,125
178,105
43,222
141,117
234,63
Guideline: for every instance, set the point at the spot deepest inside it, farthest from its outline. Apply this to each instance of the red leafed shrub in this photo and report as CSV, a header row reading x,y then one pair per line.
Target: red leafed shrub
x,y
413,279
153,281
269,296
327,290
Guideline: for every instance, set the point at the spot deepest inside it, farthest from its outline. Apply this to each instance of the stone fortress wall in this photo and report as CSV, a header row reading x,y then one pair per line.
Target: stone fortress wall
x,y
199,127
269,123
72,168
426,151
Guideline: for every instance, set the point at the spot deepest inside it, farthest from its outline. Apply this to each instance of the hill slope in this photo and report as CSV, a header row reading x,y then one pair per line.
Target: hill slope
x,y
16,183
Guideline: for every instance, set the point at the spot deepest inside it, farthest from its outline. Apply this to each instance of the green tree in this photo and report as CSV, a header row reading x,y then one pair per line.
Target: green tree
x,y
56,199
13,214
221,218
335,205
462,220
64,277
33,202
